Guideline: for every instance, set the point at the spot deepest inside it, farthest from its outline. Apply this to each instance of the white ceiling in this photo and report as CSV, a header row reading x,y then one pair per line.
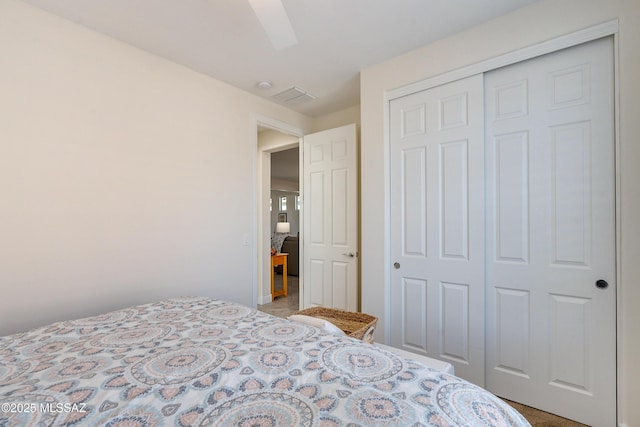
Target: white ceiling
x,y
336,38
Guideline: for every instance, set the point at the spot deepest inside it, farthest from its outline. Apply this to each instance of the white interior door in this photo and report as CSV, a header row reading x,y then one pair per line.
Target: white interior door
x,y
330,219
437,225
551,235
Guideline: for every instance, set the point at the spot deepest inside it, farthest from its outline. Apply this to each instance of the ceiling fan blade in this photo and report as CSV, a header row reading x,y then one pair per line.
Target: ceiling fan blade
x,y
275,21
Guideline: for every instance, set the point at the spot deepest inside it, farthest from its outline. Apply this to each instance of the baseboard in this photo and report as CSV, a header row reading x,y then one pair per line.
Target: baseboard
x,y
265,299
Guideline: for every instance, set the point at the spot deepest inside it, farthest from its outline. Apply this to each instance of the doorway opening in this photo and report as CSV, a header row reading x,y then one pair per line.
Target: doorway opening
x,y
279,200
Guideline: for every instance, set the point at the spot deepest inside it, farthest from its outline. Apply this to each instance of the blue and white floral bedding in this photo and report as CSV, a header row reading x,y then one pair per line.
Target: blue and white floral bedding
x,y
202,362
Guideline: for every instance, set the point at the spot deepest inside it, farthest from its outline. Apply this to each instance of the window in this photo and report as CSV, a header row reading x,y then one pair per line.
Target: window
x,y
297,203
283,203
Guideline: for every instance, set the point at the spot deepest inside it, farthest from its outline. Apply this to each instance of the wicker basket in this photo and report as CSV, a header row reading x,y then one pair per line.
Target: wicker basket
x,y
356,325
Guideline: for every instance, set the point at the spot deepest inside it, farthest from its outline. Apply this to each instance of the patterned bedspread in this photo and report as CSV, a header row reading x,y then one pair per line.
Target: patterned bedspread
x,y
202,362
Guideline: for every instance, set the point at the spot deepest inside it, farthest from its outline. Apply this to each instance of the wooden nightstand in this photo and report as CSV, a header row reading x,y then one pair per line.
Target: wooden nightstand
x,y
279,259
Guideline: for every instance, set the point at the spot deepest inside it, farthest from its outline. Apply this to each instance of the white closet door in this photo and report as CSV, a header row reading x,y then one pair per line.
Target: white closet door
x,y
437,225
551,234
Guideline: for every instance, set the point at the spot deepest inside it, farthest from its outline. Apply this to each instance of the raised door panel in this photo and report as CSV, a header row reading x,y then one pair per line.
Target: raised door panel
x,y
454,309
454,196
513,339
340,282
571,194
414,204
317,215
511,219
316,281
340,208
570,344
414,316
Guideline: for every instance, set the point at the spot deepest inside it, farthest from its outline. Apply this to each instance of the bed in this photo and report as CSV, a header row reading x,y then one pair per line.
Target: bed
x,y
204,362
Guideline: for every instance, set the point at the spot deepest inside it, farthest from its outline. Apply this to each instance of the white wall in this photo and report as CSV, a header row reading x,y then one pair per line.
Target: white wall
x,y
273,140
120,175
536,23
337,119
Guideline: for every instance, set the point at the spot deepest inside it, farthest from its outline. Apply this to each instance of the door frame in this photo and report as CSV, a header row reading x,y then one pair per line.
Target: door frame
x,y
260,261
606,29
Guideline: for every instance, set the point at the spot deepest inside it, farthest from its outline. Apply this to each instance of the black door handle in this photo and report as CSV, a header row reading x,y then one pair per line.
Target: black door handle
x,y
602,284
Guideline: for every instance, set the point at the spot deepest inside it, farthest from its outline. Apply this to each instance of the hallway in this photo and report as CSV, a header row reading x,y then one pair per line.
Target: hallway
x,y
283,306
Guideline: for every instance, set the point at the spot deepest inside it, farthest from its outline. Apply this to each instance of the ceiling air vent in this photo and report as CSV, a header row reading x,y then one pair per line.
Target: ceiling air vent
x,y
293,95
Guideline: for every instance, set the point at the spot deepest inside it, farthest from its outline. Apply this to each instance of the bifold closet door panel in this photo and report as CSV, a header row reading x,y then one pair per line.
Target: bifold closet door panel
x,y
437,225
551,233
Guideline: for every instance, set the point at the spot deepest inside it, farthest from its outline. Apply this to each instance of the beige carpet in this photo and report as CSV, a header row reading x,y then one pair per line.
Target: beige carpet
x,y
538,418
